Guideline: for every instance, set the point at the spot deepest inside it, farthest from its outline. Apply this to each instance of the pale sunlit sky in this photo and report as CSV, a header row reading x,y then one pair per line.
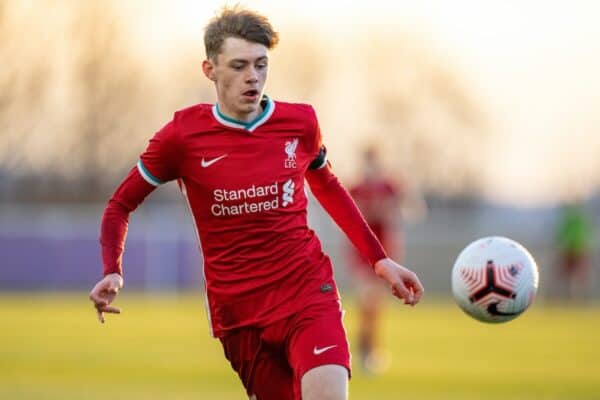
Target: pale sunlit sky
x,y
533,64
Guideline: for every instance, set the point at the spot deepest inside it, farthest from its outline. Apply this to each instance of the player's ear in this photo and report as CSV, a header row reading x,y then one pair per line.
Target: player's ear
x,y
208,67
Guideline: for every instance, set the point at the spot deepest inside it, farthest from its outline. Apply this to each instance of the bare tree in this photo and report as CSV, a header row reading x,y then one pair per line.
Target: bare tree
x,y
24,83
109,91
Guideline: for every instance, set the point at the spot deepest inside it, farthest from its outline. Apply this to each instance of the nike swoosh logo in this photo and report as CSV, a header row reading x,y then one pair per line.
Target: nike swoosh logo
x,y
493,309
208,163
317,351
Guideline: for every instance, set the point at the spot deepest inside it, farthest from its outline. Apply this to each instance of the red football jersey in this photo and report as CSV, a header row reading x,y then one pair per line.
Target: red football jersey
x,y
245,186
369,195
244,183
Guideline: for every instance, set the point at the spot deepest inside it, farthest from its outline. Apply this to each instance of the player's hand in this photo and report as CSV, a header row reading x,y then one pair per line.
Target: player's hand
x,y
103,294
405,283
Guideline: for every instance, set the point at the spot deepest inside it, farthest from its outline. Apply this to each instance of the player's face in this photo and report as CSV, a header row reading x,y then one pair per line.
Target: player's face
x,y
239,73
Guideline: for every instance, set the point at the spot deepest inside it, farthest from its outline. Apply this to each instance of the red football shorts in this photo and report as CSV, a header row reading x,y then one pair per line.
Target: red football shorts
x,y
271,361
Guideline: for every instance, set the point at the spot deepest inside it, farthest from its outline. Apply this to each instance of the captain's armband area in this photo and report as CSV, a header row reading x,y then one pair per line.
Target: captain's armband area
x,y
320,161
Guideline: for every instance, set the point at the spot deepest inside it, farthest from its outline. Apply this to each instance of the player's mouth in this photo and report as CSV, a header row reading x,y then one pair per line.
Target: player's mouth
x,y
251,95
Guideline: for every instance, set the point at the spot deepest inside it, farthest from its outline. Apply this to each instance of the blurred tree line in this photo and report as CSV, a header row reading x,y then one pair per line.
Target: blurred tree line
x,y
71,91
78,102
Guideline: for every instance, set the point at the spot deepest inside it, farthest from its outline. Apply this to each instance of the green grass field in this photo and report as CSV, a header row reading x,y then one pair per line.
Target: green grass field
x,y
52,347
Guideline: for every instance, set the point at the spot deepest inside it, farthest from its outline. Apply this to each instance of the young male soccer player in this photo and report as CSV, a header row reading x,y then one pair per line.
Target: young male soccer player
x,y
378,199
242,164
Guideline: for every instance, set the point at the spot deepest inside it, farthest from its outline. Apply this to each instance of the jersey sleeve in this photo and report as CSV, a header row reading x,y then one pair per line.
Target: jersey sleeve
x,y
160,162
115,220
318,150
336,200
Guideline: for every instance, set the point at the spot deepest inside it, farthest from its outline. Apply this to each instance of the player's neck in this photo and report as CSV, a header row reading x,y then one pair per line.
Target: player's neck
x,y
267,106
242,117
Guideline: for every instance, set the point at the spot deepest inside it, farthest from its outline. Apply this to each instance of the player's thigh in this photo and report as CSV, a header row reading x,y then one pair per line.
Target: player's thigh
x,y
272,379
264,372
318,338
326,382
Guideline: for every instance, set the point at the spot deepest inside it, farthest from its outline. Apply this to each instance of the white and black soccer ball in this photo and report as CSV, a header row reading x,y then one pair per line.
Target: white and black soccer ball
x,y
494,279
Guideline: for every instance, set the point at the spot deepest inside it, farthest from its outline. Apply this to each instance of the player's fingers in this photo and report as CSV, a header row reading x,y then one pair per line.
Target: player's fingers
x,y
411,300
97,299
100,316
401,291
110,309
419,294
417,289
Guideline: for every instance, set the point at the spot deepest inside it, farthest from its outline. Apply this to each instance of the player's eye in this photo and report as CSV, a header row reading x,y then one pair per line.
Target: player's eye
x,y
238,66
261,66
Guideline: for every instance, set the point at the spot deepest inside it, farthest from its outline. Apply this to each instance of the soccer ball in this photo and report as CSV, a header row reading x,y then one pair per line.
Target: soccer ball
x,y
494,279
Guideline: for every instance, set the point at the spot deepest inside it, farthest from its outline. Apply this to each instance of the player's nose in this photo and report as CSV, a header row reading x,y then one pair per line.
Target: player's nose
x,y
252,75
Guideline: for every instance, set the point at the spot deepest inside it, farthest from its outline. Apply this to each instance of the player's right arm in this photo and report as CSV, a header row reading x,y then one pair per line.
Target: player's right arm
x,y
157,165
338,203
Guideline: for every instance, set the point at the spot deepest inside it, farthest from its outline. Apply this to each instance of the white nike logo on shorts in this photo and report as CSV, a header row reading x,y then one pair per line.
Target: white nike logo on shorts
x,y
317,351
208,163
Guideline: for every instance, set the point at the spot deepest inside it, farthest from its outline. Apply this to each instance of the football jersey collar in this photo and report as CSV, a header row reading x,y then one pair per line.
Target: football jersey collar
x,y
268,109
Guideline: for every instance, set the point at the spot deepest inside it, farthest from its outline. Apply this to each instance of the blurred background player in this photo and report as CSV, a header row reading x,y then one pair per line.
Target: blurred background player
x,y
379,199
575,241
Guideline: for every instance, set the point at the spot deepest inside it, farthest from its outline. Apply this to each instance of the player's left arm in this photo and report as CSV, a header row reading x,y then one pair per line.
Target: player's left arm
x,y
338,203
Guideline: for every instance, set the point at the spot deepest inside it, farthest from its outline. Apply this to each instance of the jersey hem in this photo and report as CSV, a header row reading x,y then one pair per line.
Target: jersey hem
x,y
261,323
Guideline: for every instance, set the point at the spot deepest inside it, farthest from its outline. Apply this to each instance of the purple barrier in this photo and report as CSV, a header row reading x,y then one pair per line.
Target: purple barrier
x,y
75,263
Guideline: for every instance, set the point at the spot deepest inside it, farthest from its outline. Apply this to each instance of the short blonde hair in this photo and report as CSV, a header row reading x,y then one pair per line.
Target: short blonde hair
x,y
240,23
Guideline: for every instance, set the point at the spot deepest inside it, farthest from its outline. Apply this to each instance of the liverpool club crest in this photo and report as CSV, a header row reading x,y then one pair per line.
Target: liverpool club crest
x,y
290,151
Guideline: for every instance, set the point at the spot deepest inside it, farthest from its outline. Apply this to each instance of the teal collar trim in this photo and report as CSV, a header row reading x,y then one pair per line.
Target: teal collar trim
x,y
268,110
